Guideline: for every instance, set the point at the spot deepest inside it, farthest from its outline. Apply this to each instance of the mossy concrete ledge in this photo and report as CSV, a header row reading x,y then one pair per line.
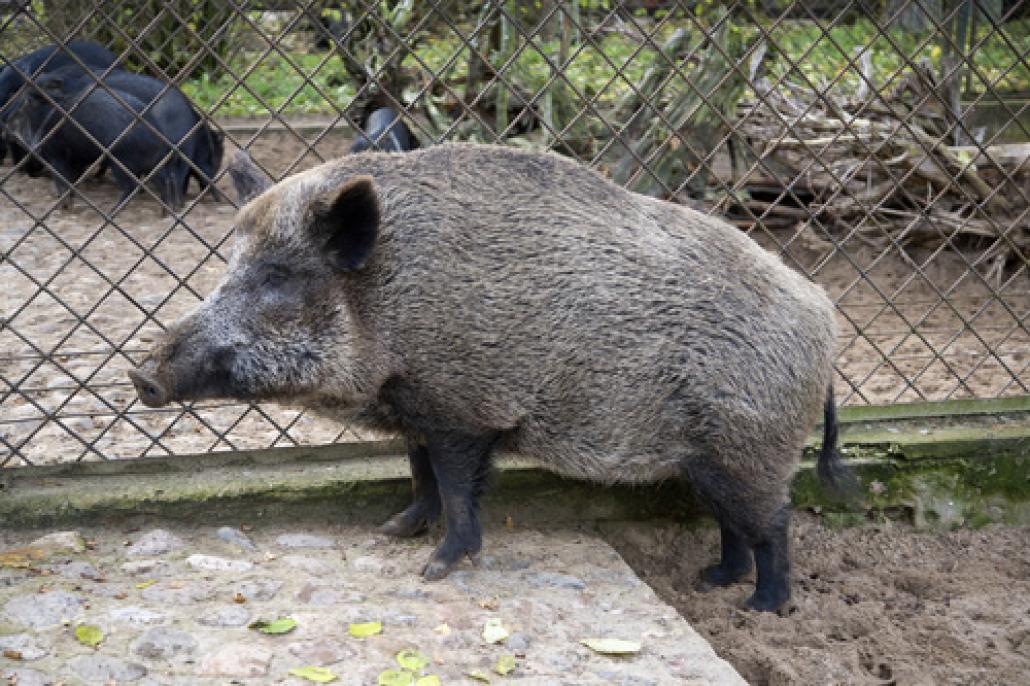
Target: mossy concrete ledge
x,y
944,464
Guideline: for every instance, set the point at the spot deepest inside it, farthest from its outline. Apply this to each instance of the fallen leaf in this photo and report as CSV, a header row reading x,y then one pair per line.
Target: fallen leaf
x,y
283,625
505,664
412,659
365,630
143,585
612,646
478,676
494,631
442,629
320,675
239,598
428,680
19,558
490,603
395,677
12,654
89,635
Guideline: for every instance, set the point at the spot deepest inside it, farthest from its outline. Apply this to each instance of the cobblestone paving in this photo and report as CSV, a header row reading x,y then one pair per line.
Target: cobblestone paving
x,y
174,606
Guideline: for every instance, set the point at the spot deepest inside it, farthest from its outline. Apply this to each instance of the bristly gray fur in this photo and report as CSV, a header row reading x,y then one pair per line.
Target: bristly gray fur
x,y
609,335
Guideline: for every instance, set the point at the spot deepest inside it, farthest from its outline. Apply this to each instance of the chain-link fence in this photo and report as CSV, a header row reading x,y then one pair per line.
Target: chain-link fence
x,y
881,148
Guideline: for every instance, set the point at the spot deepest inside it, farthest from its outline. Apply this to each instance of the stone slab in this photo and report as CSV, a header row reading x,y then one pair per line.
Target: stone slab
x,y
549,590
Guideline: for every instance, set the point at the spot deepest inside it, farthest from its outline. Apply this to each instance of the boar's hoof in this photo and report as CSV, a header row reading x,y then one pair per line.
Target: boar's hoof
x,y
436,569
444,559
721,575
150,391
414,520
770,602
402,525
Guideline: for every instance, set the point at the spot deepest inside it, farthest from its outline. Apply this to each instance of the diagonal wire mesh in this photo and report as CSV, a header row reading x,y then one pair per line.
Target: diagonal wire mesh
x,y
882,148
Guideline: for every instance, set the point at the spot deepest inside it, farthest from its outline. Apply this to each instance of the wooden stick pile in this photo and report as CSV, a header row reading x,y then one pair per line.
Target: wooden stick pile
x,y
885,169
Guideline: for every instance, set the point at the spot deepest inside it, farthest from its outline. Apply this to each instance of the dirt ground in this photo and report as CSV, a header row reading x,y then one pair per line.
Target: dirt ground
x,y
64,395
881,604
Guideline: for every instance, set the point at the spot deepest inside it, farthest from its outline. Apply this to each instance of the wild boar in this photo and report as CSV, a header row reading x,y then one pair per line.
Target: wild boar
x,y
477,298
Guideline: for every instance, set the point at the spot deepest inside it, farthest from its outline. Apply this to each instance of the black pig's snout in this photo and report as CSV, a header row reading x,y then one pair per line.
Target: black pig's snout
x,y
150,390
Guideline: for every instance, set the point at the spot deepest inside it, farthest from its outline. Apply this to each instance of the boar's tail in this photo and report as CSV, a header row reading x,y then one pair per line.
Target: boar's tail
x,y
833,473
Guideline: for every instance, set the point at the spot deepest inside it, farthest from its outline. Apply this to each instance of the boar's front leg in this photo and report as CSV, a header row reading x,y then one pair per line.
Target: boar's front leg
x,y
425,508
460,463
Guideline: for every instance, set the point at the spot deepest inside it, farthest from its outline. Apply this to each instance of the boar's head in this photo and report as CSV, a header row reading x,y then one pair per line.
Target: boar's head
x,y
280,325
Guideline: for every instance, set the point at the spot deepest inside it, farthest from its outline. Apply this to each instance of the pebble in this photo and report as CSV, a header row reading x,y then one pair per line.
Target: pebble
x,y
137,616
518,642
98,668
155,542
25,677
324,595
303,541
237,660
236,537
179,592
308,565
163,643
212,563
26,645
76,570
70,541
43,610
320,652
148,567
231,615
259,589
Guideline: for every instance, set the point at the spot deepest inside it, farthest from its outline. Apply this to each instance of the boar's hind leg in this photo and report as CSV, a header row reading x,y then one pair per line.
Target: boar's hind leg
x,y
734,560
460,463
745,525
425,509
772,560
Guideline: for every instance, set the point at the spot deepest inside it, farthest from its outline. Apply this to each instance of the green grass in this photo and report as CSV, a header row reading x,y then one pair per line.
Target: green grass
x,y
271,83
821,59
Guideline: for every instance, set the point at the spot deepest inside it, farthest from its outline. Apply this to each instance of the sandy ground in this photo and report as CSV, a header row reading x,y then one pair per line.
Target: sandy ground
x,y
64,395
882,604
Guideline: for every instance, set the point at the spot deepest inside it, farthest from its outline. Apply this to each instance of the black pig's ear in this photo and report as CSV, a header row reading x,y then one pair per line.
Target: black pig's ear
x,y
247,178
51,85
347,219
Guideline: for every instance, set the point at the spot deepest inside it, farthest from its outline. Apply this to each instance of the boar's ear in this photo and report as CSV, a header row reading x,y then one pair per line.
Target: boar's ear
x,y
347,219
247,178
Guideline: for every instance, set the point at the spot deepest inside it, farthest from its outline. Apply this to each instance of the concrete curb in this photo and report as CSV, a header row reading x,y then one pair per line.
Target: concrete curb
x,y
947,464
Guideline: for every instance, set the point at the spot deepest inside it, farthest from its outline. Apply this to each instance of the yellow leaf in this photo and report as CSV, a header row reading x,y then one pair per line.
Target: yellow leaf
x,y
395,677
89,635
428,680
411,658
494,631
365,630
283,625
612,646
478,676
320,675
21,557
505,664
145,584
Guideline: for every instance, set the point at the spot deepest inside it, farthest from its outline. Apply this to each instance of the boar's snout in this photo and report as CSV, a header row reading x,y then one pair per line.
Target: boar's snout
x,y
151,391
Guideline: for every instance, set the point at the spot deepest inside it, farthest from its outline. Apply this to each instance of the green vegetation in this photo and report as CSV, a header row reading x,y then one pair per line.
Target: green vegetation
x,y
604,68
